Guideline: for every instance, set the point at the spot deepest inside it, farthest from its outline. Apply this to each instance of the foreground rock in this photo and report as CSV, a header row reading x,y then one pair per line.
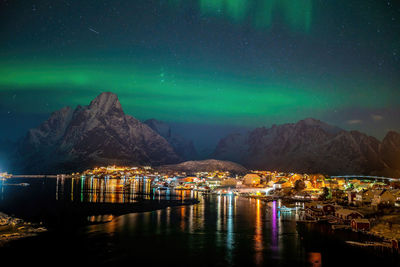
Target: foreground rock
x,y
13,228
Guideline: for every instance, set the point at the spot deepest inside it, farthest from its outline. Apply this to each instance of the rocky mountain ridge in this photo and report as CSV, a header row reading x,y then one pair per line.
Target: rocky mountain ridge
x,y
183,147
97,134
312,146
102,134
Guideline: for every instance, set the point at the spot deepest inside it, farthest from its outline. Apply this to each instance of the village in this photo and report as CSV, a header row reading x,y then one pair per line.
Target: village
x,y
366,204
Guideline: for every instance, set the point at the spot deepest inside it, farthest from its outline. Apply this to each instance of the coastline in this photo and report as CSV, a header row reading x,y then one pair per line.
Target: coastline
x,y
12,228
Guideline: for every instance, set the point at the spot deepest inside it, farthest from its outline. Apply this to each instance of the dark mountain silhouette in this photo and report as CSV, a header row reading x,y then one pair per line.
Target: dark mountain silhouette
x,y
183,147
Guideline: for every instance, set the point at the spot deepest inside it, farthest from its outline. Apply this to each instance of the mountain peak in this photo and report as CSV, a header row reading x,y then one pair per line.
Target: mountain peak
x,y
392,135
92,135
65,109
105,102
314,122
311,121
206,165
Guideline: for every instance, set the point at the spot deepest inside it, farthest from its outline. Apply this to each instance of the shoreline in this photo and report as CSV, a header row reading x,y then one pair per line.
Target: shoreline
x,y
12,228
139,208
124,208
71,215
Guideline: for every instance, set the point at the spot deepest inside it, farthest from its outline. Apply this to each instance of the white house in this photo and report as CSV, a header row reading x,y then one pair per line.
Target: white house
x,y
364,196
383,197
396,194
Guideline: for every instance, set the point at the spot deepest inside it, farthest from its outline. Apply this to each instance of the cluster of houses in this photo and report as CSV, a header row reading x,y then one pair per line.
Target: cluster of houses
x,y
375,197
356,192
297,186
4,175
337,215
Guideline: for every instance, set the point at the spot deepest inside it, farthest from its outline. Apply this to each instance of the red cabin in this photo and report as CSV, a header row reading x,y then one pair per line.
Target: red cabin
x,y
360,224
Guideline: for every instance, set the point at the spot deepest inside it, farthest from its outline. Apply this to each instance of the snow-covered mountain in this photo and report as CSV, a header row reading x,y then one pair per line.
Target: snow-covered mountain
x,y
312,146
183,147
97,134
209,165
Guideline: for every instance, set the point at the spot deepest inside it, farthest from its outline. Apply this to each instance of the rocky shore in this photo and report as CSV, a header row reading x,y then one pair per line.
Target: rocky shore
x,y
12,228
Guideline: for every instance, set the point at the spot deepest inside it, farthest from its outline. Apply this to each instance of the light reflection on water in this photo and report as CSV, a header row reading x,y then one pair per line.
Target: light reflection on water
x,y
230,235
97,190
263,221
220,230
230,224
233,228
258,235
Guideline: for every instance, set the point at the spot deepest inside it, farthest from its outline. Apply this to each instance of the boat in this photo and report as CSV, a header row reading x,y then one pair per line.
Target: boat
x,y
223,192
202,189
161,188
226,194
285,209
183,187
21,184
340,226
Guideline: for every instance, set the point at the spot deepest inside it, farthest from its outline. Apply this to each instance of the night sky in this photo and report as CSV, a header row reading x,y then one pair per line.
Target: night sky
x,y
222,63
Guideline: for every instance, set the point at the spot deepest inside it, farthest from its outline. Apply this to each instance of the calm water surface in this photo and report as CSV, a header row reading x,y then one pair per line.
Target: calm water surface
x,y
219,231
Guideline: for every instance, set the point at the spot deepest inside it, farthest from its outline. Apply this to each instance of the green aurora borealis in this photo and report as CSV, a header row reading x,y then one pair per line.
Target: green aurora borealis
x,y
225,62
149,93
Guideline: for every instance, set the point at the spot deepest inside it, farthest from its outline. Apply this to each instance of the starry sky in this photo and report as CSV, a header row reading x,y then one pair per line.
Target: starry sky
x,y
204,64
